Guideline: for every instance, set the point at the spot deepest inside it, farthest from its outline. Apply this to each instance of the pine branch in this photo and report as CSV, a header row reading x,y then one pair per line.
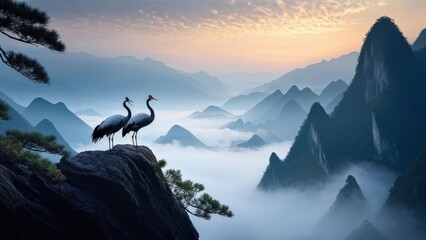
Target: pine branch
x,y
4,108
29,67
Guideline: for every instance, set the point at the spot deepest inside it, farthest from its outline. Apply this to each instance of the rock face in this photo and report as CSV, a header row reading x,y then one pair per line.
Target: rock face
x,y
116,194
380,118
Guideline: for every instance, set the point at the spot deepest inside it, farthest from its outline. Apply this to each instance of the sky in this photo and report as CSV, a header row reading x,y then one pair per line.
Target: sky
x,y
223,36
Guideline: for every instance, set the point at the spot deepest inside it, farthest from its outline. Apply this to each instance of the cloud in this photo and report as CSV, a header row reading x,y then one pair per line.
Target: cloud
x,y
195,18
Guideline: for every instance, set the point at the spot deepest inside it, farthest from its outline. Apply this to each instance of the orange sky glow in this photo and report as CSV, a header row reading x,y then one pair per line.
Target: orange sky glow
x,y
232,35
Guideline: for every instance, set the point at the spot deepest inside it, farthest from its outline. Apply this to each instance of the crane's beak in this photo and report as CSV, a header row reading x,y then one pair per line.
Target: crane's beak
x,y
154,98
130,102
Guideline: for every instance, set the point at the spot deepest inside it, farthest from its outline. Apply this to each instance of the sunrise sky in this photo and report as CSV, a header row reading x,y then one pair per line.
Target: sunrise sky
x,y
226,35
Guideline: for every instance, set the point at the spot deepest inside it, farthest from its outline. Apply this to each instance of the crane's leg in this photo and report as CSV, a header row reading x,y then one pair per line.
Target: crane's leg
x,y
136,138
112,140
133,138
109,142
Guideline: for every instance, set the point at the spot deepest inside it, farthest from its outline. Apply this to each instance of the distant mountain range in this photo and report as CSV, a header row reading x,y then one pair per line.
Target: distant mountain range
x,y
72,128
254,142
48,118
211,112
244,102
181,136
314,76
85,79
47,128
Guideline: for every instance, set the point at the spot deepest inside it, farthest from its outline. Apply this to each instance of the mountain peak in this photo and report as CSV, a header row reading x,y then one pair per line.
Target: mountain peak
x,y
317,111
420,41
385,59
350,191
293,90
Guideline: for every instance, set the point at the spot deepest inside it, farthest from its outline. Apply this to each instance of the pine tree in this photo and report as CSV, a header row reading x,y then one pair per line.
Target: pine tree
x,y
190,196
21,22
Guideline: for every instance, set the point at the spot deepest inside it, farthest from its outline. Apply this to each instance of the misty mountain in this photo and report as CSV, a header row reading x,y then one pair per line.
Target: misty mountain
x,y
420,41
317,75
16,121
47,128
333,104
240,125
404,211
262,107
211,112
72,128
307,156
244,102
304,98
208,84
288,121
348,210
87,112
380,118
332,90
182,136
367,231
254,142
12,103
80,78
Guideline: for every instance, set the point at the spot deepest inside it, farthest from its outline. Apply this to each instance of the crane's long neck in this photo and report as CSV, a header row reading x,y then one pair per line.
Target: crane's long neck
x,y
151,110
129,113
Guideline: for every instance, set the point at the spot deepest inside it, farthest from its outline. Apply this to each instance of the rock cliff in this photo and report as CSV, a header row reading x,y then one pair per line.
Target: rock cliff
x,y
116,194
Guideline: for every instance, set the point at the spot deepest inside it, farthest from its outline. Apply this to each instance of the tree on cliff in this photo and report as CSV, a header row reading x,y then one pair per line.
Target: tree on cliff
x,y
188,194
23,23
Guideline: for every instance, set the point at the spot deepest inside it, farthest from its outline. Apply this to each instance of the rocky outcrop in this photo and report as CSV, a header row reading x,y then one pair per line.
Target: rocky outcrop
x,y
117,194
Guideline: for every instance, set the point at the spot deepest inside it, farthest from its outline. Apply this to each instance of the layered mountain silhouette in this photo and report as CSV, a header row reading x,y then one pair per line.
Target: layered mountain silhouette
x,y
80,78
262,107
317,75
72,128
420,41
207,83
254,142
88,112
304,98
334,89
240,125
348,210
244,102
212,112
379,119
180,135
17,121
287,123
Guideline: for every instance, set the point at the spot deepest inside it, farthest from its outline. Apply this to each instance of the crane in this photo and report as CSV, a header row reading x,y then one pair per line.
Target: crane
x,y
111,125
139,121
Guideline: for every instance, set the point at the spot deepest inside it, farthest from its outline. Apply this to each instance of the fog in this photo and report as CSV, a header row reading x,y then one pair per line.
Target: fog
x,y
231,175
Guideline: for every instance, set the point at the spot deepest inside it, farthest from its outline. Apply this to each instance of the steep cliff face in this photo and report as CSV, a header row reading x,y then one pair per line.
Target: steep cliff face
x,y
117,194
380,118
